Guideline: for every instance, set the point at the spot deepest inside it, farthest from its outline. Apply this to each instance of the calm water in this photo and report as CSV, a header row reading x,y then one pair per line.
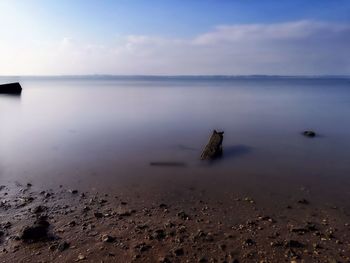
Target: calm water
x,y
101,134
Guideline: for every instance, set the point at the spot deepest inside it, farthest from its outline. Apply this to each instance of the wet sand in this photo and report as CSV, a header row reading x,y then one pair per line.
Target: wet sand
x,y
195,227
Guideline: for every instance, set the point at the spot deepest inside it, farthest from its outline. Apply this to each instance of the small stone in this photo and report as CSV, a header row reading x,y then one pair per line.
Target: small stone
x,y
183,215
303,201
222,247
81,257
249,200
63,246
98,215
164,260
73,191
293,244
38,231
142,247
309,134
107,238
39,209
178,252
249,242
159,234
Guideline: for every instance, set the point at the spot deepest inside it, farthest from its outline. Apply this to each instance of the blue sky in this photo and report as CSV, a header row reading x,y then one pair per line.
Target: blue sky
x,y
115,37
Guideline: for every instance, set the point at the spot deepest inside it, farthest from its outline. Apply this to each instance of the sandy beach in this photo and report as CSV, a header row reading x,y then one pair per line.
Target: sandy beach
x,y
68,225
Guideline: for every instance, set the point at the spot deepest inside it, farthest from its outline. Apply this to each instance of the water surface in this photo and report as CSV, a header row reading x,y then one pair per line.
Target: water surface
x,y
103,133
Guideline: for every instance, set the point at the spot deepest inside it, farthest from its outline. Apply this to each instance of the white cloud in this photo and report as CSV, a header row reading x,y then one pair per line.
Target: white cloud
x,y
301,47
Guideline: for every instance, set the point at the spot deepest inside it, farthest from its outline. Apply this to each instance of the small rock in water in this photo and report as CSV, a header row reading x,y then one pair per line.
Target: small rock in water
x,y
309,133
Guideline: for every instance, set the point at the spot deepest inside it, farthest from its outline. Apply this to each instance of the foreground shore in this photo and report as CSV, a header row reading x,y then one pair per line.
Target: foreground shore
x,y
68,225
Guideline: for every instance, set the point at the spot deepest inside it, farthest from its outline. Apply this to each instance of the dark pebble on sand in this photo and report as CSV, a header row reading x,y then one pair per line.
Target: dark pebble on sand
x,y
39,209
107,238
63,246
293,244
142,247
178,252
159,234
38,231
164,260
183,215
249,242
303,201
98,215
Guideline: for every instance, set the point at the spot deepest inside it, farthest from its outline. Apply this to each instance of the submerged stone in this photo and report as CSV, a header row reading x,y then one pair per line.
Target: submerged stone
x,y
309,133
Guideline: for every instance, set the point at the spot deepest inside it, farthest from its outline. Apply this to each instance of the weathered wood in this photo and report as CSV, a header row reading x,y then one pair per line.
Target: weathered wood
x,y
11,88
214,147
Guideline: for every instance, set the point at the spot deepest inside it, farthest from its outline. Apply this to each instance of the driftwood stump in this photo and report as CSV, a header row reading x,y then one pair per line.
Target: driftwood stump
x,y
214,147
11,88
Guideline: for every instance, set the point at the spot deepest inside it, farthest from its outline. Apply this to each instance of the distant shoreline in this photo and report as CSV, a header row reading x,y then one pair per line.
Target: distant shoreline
x,y
178,77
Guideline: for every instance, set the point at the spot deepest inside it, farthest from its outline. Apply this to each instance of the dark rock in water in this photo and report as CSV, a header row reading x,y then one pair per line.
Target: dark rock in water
x,y
11,88
37,232
309,133
214,147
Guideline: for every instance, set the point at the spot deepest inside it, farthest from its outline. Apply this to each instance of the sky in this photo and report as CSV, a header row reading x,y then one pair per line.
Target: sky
x,y
174,37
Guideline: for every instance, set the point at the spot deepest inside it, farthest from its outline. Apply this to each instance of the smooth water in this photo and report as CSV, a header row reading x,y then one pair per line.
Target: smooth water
x,y
102,133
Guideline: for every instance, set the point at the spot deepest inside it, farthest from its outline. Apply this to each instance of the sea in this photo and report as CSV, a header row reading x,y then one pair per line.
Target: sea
x,y
145,135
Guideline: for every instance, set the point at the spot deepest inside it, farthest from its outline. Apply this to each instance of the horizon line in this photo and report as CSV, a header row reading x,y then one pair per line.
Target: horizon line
x,y
179,75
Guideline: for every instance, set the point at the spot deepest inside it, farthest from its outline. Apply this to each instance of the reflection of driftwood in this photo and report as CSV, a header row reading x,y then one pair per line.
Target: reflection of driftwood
x,y
167,164
11,88
214,146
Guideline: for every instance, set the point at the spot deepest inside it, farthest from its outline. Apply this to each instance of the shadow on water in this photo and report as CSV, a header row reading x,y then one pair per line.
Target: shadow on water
x,y
186,148
11,95
235,151
231,153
